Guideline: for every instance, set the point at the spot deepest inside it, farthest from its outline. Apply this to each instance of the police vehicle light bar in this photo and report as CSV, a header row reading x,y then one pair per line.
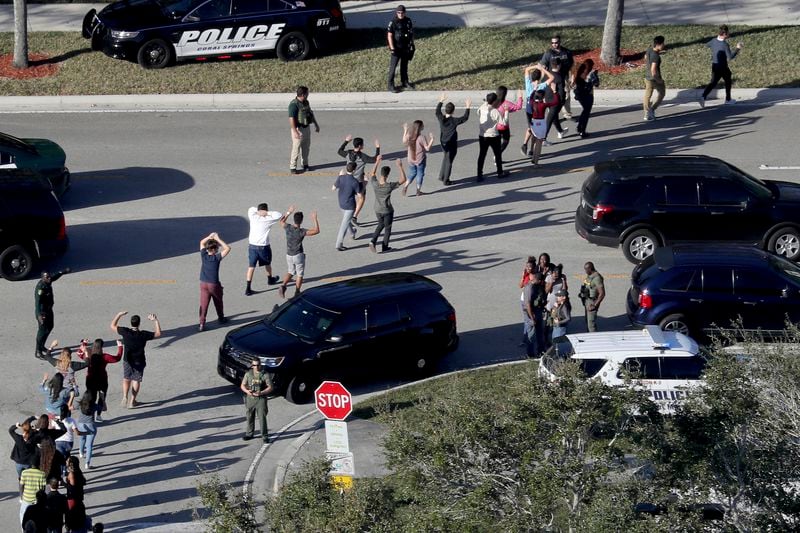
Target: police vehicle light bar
x,y
657,339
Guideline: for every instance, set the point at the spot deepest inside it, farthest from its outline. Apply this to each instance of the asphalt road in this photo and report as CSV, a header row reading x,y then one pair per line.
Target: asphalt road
x,y
148,186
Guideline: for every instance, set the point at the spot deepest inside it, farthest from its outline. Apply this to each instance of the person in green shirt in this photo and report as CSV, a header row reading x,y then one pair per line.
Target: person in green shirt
x,y
652,78
593,292
31,481
300,119
256,385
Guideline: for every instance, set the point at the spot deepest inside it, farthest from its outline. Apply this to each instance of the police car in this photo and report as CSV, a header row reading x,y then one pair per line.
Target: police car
x,y
155,33
666,364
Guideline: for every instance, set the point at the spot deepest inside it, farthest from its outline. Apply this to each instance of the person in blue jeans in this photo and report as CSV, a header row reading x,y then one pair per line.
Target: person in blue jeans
x,y
533,299
84,417
561,314
417,145
350,198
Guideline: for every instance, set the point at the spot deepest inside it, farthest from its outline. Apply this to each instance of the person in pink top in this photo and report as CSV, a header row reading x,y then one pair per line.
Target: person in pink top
x,y
417,145
96,375
505,109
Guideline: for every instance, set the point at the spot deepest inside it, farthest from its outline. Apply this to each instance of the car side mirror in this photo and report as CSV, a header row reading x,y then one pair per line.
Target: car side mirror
x,y
187,18
334,338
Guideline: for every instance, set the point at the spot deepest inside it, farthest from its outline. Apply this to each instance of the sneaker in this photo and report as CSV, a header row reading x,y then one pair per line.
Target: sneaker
x,y
80,454
583,134
272,280
248,292
341,248
523,150
546,143
98,418
247,437
385,249
702,101
201,327
409,85
394,89
563,133
448,182
282,291
530,152
295,171
651,114
568,116
730,102
372,248
647,118
353,231
87,466
504,174
420,193
223,320
306,168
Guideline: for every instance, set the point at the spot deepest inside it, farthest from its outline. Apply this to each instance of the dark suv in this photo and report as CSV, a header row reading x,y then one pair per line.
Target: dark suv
x,y
31,222
643,203
691,288
362,325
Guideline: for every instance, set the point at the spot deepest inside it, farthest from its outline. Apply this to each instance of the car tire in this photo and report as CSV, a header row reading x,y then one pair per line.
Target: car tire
x,y
301,388
294,46
675,322
155,53
639,245
86,26
786,243
16,263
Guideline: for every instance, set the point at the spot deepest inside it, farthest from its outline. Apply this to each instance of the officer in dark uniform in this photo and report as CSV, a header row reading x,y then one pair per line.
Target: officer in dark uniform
x,y
43,309
400,36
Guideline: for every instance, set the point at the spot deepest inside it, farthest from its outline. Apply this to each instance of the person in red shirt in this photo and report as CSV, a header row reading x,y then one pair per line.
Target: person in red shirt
x,y
96,374
538,122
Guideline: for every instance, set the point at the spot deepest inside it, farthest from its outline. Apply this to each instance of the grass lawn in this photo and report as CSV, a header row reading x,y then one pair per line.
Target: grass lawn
x,y
446,59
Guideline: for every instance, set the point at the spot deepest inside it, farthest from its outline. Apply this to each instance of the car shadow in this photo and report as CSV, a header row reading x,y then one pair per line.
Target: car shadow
x,y
113,186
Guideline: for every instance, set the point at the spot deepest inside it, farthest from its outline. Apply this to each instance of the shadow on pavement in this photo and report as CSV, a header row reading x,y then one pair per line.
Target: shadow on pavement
x,y
113,186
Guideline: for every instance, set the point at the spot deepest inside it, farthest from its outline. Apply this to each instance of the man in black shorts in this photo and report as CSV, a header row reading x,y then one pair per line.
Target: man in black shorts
x,y
134,361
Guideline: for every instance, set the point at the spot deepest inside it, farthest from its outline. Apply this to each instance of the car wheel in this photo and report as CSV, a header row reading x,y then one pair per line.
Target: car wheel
x,y
639,245
301,388
422,365
676,323
88,25
293,46
155,53
16,262
786,242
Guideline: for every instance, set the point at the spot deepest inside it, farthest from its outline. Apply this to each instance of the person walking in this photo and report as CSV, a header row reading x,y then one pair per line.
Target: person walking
x,y
593,292
506,108
256,385
25,448
384,210
448,134
560,314
300,120
488,136
400,37
56,394
295,254
357,156
56,507
74,482
566,61
65,442
259,252
134,361
66,366
43,309
84,418
97,374
560,93
586,79
538,125
347,191
211,257
31,481
418,145
652,78
720,56
537,78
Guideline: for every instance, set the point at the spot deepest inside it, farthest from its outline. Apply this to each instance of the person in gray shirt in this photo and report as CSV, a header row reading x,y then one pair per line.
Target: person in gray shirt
x,y
720,55
384,211
357,156
295,254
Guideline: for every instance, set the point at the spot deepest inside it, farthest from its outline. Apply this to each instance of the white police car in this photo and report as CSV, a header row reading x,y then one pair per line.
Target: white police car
x,y
157,32
668,365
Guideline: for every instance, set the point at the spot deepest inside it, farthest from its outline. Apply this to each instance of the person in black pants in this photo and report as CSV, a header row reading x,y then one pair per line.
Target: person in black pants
x,y
585,81
43,309
560,84
488,136
720,55
400,36
448,136
384,211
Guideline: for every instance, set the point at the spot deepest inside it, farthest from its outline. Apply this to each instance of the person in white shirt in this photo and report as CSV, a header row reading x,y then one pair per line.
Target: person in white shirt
x,y
488,136
259,252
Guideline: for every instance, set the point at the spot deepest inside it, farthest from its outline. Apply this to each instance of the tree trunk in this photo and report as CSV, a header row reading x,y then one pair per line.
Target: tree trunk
x,y
20,34
612,33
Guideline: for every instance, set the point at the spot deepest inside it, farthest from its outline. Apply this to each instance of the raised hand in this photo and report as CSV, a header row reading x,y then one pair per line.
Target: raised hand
x,y
348,138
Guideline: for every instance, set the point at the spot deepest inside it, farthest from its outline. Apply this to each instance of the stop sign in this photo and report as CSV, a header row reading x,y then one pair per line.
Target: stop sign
x,y
333,400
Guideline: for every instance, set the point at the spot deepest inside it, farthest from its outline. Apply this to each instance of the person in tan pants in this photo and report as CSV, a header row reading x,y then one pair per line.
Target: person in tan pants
x,y
653,80
300,120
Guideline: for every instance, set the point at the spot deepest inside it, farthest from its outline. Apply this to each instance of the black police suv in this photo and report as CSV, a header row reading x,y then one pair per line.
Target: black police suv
x,y
643,203
692,288
157,32
32,223
354,328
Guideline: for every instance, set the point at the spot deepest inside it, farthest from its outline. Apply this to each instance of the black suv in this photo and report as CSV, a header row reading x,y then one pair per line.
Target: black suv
x,y
31,222
357,326
646,202
691,288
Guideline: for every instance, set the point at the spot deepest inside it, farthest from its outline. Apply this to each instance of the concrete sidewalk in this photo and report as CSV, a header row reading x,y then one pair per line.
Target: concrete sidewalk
x,y
464,13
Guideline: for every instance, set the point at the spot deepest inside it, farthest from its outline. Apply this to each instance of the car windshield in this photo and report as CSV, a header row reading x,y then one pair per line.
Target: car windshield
x,y
178,7
757,187
784,266
19,144
302,319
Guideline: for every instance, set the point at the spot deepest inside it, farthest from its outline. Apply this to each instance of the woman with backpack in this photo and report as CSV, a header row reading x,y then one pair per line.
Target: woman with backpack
x,y
539,123
55,394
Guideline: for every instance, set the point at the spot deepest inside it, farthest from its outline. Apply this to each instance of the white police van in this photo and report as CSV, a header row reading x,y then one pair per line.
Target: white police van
x,y
668,365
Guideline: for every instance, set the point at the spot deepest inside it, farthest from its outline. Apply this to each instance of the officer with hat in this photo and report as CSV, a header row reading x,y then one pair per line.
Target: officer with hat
x,y
400,36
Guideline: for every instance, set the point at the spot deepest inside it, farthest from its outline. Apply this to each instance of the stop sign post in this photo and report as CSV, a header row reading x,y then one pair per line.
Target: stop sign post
x,y
336,403
333,400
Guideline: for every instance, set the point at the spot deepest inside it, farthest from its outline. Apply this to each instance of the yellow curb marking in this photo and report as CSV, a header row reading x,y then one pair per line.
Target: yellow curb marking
x,y
606,276
129,282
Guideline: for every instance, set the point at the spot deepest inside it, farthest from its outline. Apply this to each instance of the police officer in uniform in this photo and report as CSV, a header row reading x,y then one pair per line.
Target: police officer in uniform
x,y
256,385
592,294
43,309
400,36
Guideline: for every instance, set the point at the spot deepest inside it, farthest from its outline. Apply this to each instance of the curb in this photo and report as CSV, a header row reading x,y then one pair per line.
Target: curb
x,y
289,455
344,101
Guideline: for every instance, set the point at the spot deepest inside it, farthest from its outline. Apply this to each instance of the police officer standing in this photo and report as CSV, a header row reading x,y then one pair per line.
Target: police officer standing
x,y
43,309
256,385
400,36
300,120
592,294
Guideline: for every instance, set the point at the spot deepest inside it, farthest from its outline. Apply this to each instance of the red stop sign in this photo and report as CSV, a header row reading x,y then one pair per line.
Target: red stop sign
x,y
333,400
